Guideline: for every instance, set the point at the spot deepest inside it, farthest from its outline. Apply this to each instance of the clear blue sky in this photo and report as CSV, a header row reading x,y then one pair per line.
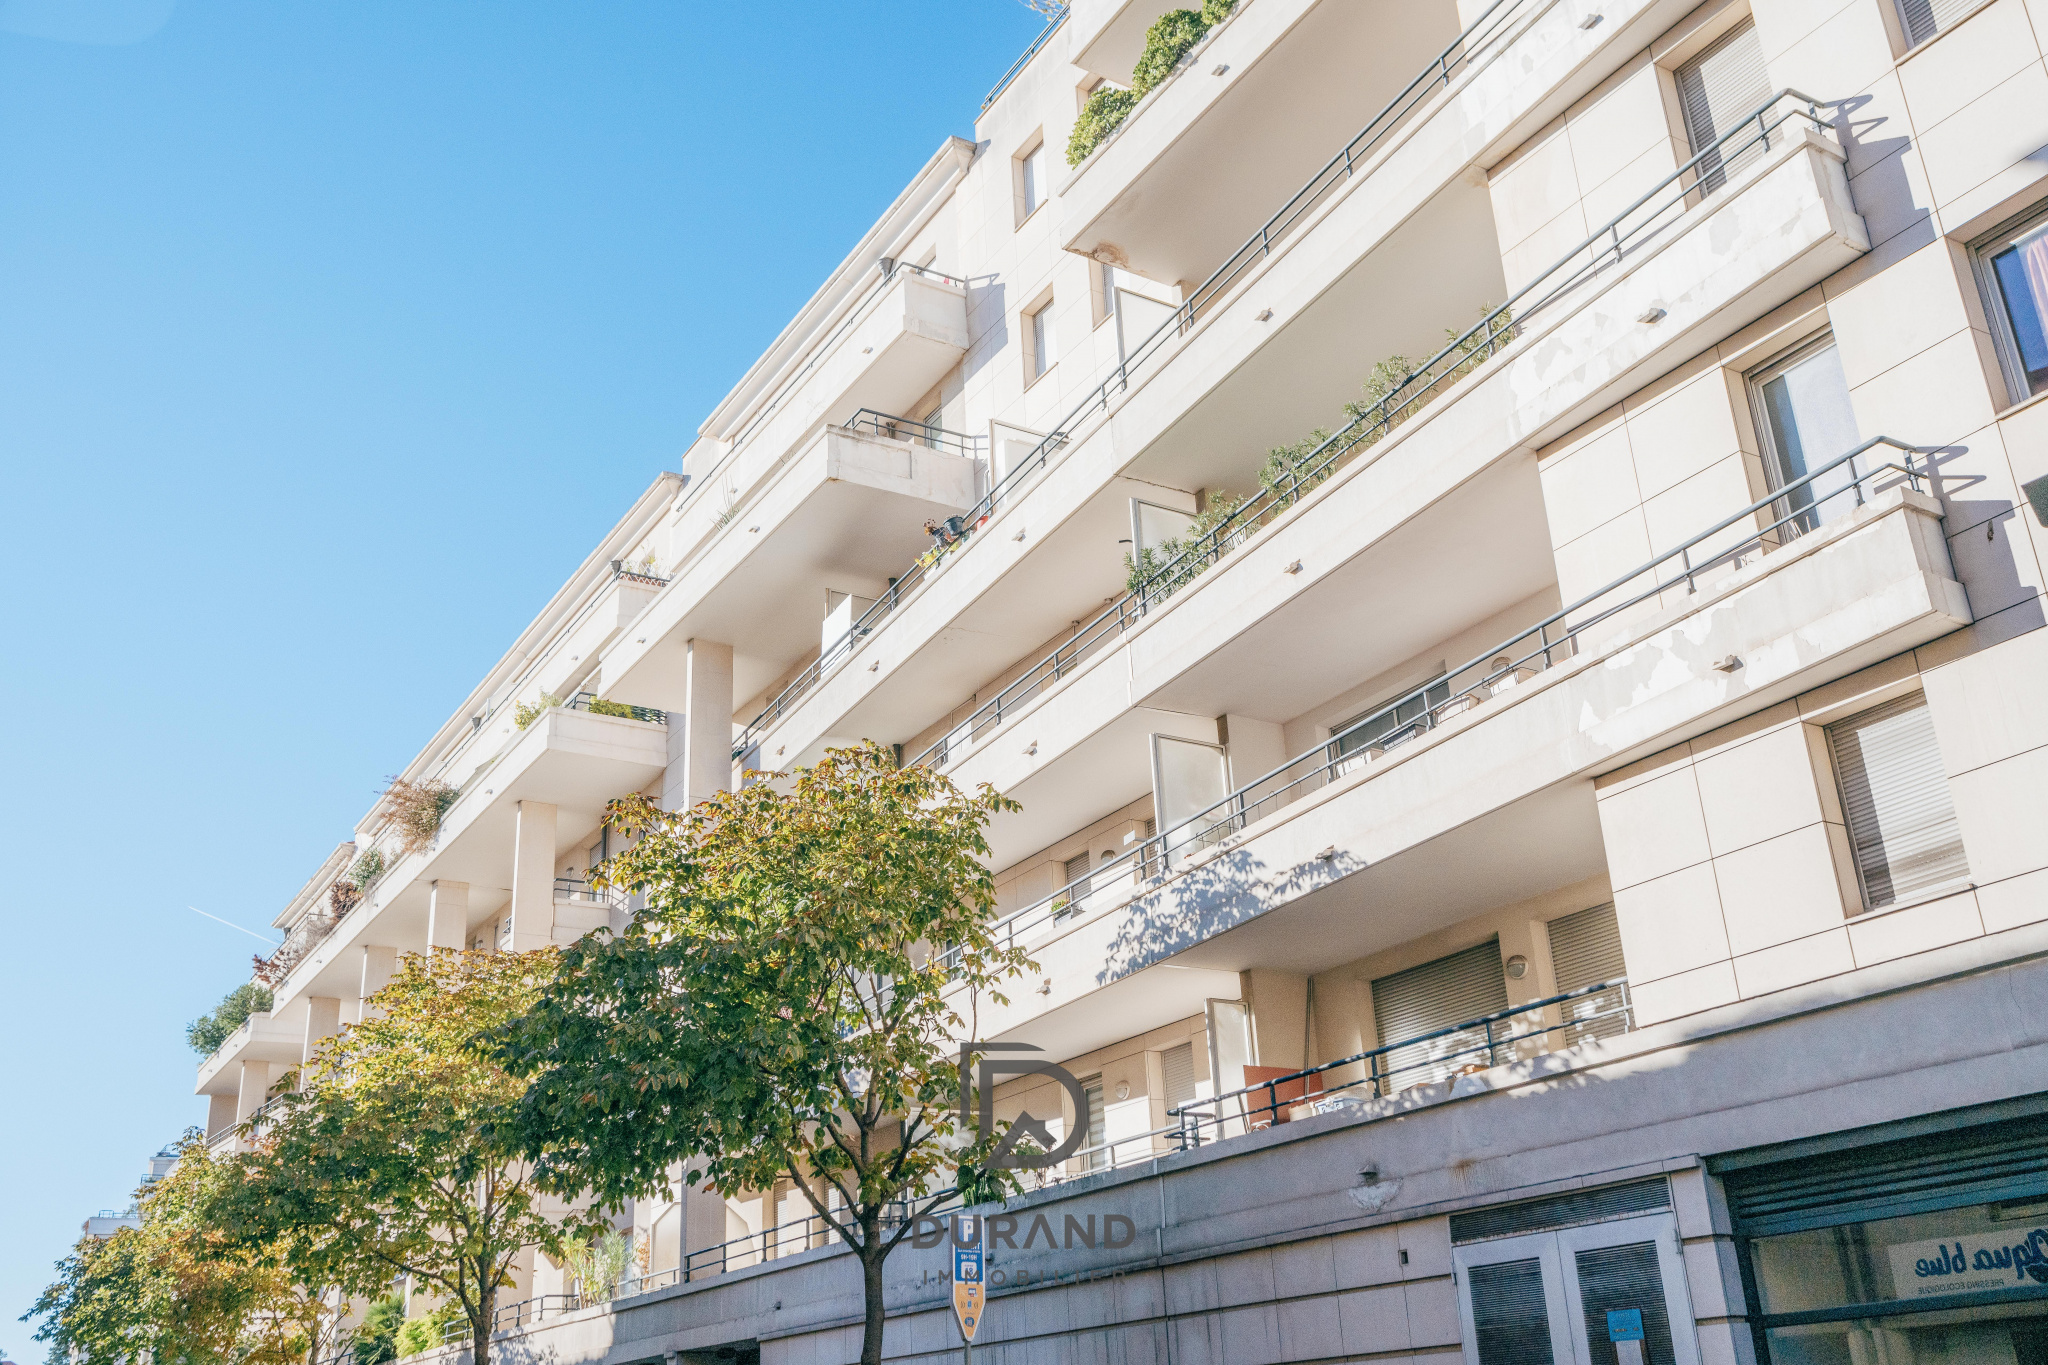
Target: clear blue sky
x,y
331,337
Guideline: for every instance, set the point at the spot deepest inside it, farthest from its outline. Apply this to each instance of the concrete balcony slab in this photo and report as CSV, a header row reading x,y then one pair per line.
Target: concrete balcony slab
x,y
847,510
263,1037
573,760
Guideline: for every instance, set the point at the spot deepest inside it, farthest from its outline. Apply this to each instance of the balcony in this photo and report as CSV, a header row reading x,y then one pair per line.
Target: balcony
x,y
263,1037
575,758
1440,462
1479,792
847,511
885,351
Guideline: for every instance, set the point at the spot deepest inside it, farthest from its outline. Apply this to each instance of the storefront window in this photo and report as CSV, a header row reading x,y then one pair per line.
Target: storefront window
x,y
1964,1284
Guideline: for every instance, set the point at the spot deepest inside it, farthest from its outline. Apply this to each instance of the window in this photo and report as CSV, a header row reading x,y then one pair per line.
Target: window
x,y
1585,950
1428,999
1030,181
1804,420
1096,1130
1392,726
1038,341
1895,800
2012,270
1104,289
1177,1075
1922,19
1717,90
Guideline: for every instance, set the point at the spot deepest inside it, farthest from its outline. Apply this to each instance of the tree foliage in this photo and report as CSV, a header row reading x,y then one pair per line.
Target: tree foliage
x,y
778,1011
390,1157
180,1289
209,1031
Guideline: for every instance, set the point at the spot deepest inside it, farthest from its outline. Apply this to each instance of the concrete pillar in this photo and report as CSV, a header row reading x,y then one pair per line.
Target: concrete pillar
x,y
700,739
448,916
380,964
220,1112
1252,747
255,1088
533,877
323,1020
1279,1016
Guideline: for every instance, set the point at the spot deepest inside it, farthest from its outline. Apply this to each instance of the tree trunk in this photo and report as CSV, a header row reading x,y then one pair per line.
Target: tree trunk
x,y
871,1259
480,1325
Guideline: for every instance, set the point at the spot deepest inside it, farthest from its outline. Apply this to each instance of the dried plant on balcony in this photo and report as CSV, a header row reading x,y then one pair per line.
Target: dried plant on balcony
x,y
209,1031
417,808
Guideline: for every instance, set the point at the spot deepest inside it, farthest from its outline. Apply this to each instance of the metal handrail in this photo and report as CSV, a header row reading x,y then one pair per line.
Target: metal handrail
x,y
769,1244
577,889
895,428
1478,38
1288,485
1493,672
1057,19
1461,1059
643,573
598,706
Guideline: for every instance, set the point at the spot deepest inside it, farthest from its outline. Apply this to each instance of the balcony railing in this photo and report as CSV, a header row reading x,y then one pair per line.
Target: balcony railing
x,y
598,706
1801,505
1606,248
921,433
576,889
1058,17
1462,1049
1282,486
643,572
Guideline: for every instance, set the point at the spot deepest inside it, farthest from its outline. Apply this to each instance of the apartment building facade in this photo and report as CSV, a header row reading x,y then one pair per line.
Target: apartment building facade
x,y
1492,541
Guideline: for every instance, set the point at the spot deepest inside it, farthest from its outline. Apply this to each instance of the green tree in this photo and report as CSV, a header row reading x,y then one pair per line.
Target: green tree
x,y
390,1156
778,1011
209,1031
179,1289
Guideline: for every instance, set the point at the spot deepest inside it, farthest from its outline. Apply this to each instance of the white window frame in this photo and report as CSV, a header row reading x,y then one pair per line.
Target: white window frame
x,y
1041,346
1558,1252
2011,368
1028,172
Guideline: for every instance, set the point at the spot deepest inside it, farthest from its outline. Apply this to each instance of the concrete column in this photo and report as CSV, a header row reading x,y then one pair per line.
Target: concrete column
x,y
1252,747
220,1112
323,1020
1279,1013
255,1088
379,966
700,757
533,877
448,916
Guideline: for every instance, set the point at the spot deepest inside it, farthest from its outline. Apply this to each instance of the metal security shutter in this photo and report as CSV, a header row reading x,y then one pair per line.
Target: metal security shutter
x,y
1575,1209
1177,1072
1585,950
1073,870
1925,18
1716,90
1902,821
1620,1278
1946,1168
1509,1315
1438,995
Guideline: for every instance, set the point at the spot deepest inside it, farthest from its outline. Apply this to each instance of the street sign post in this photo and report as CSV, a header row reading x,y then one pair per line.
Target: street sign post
x,y
969,1290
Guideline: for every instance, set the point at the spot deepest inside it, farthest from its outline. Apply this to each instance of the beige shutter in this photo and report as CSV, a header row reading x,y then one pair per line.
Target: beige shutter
x,y
1585,950
1925,18
1438,995
1895,797
1717,90
1177,1074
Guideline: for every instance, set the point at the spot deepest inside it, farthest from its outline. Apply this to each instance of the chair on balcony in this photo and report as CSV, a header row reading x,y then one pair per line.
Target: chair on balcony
x,y
1264,1108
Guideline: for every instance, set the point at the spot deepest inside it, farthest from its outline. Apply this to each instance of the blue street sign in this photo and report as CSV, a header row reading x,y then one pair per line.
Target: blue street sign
x,y
1625,1324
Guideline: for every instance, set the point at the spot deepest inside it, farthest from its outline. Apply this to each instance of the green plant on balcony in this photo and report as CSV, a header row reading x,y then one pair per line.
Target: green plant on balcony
x,y
1172,36
1155,568
417,808
526,713
599,1264
426,1331
209,1031
601,707
376,1336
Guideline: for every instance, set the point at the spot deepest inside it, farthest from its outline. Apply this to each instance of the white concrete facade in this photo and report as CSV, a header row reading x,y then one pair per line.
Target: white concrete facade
x,y
1563,636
